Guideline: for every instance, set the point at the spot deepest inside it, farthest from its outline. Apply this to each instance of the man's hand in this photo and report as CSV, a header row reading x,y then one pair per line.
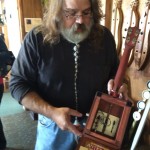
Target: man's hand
x,y
61,116
123,90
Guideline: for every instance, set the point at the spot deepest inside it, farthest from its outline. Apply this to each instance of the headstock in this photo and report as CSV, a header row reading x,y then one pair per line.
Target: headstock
x,y
132,35
134,3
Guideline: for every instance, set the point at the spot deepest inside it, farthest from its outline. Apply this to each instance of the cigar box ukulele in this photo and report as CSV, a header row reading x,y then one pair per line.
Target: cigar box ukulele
x,y
108,117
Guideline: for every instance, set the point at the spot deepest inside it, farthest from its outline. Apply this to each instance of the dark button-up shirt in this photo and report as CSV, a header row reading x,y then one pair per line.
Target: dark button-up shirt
x,y
49,70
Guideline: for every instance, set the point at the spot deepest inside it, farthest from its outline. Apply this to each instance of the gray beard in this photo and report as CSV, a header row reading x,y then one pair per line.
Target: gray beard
x,y
72,36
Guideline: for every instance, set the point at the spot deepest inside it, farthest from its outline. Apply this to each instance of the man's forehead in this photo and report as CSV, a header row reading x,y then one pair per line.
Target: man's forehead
x,y
77,4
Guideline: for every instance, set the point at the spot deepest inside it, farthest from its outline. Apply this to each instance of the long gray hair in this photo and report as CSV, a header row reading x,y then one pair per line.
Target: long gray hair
x,y
53,14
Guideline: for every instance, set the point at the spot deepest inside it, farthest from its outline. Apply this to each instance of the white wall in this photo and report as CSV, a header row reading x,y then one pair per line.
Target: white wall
x,y
12,21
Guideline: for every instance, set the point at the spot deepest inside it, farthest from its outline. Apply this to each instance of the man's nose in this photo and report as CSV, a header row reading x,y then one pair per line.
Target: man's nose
x,y
79,19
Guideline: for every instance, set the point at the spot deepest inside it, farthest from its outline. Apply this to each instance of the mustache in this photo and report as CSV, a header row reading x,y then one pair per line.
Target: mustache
x,y
72,34
79,26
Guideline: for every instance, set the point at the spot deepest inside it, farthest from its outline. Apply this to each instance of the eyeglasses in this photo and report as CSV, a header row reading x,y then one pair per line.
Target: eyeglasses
x,y
71,14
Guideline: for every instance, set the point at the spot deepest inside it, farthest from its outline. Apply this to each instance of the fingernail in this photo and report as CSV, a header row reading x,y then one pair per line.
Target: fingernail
x,y
120,96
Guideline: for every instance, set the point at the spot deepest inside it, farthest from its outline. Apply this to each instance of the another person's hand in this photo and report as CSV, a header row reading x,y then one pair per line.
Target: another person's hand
x,y
122,92
61,116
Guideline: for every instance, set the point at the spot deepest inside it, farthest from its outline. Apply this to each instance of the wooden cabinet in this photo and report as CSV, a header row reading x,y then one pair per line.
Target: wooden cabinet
x,y
28,9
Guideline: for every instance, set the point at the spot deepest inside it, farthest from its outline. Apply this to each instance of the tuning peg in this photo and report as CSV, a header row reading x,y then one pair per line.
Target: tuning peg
x,y
148,84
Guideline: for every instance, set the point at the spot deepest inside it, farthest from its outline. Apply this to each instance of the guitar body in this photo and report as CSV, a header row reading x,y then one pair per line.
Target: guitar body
x,y
106,124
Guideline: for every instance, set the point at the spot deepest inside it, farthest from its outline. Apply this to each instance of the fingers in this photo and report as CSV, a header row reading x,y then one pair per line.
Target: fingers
x,y
123,92
62,118
74,129
67,125
75,113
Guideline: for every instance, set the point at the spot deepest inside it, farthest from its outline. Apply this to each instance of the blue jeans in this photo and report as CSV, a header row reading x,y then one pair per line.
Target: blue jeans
x,y
51,137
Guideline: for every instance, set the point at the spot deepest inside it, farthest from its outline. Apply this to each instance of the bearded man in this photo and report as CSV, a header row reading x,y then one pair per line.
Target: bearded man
x,y
60,67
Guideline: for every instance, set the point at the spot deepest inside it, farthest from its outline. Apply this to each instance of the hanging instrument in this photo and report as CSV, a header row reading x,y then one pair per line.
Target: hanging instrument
x,y
142,47
116,23
131,19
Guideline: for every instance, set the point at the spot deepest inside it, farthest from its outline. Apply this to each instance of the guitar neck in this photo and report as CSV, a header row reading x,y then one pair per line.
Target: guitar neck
x,y
122,68
130,42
